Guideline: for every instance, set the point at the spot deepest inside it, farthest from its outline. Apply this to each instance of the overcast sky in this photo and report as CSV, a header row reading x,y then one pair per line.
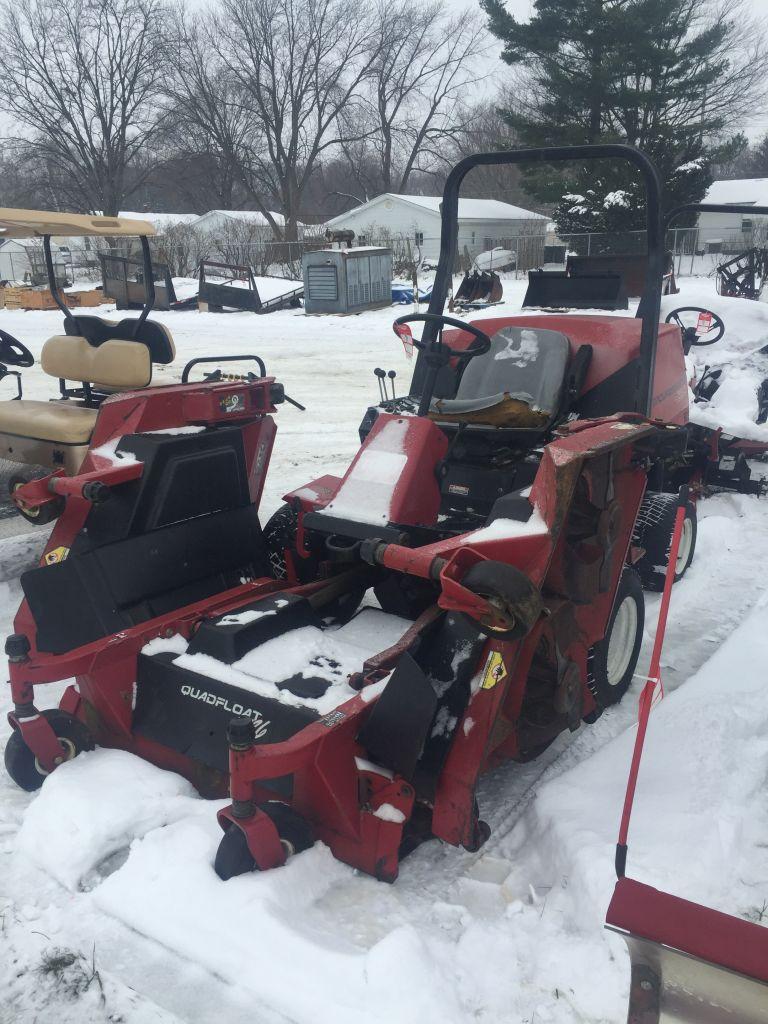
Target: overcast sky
x,y
756,127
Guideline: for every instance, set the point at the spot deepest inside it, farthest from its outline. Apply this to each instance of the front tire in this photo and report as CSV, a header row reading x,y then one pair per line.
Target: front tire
x,y
613,659
653,531
22,765
43,514
233,856
280,540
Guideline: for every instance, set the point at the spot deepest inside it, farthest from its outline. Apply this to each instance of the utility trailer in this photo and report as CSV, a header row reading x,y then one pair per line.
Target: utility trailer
x,y
233,286
124,281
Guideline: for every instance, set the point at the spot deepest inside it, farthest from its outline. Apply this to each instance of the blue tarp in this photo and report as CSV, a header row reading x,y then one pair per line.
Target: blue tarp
x,y
403,294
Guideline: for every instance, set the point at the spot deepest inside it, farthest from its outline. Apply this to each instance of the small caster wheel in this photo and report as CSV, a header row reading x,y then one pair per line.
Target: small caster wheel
x,y
22,765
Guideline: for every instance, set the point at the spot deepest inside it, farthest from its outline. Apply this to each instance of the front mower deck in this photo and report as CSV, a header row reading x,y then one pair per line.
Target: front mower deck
x,y
187,692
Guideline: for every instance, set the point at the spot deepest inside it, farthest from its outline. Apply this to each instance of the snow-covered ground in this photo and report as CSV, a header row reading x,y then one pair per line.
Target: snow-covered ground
x,y
109,906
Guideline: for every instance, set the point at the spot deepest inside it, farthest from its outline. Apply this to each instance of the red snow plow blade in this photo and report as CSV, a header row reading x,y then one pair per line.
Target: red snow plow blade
x,y
689,963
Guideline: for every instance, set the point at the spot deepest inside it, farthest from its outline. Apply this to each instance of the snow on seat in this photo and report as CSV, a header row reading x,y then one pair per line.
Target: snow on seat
x,y
518,383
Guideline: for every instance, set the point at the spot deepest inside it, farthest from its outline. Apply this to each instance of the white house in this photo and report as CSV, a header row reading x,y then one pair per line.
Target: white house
x,y
483,223
218,221
729,230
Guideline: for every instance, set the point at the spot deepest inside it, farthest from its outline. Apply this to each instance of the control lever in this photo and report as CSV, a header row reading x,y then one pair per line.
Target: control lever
x,y
392,374
381,376
293,402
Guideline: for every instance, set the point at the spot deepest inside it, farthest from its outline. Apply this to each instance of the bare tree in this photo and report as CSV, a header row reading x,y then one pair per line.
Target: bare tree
x,y
83,78
268,82
425,66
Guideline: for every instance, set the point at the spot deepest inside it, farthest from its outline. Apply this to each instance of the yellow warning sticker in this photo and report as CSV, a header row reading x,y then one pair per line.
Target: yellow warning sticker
x,y
495,670
57,555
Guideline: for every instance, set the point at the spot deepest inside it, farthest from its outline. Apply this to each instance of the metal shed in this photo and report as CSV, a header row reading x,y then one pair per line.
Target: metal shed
x,y
347,280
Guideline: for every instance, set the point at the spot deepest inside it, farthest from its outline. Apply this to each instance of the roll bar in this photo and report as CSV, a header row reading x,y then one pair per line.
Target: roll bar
x,y
149,282
650,307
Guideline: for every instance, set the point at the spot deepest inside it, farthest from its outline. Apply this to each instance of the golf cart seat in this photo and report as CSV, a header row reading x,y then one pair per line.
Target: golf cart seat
x,y
57,433
517,383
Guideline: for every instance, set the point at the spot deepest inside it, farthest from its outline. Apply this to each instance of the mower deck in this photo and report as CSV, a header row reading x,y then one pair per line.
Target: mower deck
x,y
244,664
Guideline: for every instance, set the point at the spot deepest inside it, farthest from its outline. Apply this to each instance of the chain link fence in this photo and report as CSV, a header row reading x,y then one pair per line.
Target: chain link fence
x,y
182,252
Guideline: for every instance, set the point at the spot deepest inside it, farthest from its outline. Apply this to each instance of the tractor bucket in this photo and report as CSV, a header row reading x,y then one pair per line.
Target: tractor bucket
x,y
690,964
557,289
479,286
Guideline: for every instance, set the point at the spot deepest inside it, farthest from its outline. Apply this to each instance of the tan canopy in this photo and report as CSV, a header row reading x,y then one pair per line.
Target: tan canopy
x,y
35,223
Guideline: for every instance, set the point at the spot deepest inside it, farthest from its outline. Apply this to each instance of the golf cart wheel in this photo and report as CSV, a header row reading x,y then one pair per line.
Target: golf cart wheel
x,y
612,660
22,765
280,537
43,514
653,532
512,595
233,856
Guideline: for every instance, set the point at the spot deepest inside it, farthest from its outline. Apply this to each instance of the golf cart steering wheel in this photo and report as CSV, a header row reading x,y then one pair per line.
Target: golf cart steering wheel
x,y
13,353
702,332
443,321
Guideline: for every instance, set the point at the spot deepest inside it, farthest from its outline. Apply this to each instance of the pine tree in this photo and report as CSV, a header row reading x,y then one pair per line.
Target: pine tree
x,y
659,74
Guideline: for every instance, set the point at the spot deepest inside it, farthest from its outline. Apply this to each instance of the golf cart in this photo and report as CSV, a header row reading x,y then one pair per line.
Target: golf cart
x,y
91,359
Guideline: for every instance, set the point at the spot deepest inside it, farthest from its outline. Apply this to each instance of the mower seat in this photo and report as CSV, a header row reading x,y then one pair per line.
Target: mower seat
x,y
517,383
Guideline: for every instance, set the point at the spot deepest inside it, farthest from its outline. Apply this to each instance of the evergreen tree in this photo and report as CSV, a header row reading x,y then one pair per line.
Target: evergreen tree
x,y
663,75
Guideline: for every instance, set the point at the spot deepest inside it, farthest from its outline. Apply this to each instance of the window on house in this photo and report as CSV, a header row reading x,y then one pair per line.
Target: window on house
x,y
362,240
473,238
746,226
419,238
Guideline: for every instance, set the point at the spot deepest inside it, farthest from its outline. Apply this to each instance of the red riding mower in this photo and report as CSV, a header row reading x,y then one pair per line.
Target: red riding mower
x,y
100,356
505,514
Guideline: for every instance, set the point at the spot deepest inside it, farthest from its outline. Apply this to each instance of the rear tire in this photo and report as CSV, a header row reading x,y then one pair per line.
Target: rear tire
x,y
653,532
613,659
22,765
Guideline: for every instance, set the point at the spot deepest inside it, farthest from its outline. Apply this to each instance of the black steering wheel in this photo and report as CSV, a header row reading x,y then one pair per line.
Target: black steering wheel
x,y
445,351
702,332
13,353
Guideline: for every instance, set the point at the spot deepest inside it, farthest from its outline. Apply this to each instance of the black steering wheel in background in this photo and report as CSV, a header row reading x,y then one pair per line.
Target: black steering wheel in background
x,y
436,353
692,332
441,350
13,353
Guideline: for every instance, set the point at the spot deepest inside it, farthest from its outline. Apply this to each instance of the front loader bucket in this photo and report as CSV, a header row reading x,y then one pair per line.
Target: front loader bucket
x,y
556,289
690,964
479,286
496,290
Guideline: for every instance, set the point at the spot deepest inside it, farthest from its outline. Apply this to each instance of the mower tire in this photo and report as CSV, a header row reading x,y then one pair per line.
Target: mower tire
x,y
653,532
22,765
612,660
280,537
511,592
45,513
233,856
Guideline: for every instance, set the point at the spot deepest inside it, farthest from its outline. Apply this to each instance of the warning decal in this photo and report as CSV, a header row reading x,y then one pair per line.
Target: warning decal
x,y
495,670
57,555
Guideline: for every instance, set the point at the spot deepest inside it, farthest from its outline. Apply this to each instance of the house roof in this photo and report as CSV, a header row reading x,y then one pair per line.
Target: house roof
x,y
739,191
469,209
251,216
162,220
